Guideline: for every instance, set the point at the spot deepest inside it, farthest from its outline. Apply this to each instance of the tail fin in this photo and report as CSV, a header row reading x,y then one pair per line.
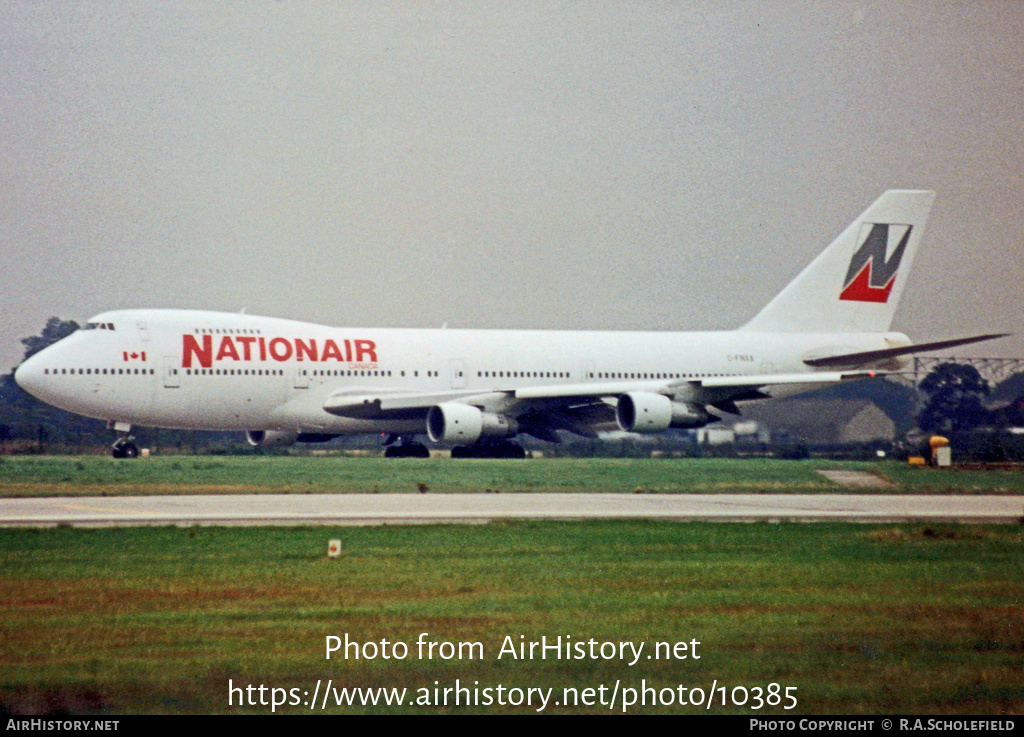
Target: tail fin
x,y
855,284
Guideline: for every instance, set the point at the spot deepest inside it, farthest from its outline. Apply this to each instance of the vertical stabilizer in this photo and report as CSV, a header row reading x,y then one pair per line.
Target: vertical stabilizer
x,y
855,284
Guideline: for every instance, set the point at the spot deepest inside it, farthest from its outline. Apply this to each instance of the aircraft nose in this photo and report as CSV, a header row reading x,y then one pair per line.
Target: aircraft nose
x,y
29,375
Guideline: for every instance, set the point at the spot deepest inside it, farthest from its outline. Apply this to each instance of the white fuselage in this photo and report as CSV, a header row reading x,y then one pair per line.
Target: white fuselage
x,y
218,371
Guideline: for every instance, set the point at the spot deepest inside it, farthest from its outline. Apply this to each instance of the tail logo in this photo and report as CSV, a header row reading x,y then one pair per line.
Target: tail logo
x,y
871,275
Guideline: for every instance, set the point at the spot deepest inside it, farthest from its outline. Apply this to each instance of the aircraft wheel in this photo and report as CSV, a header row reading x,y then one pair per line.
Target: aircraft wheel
x,y
407,450
489,450
508,450
514,450
125,449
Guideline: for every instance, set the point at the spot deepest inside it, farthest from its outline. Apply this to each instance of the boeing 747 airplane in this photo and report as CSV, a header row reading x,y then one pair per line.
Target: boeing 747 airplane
x,y
283,381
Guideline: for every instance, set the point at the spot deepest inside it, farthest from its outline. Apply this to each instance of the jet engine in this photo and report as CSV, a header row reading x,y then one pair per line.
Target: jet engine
x,y
649,412
464,423
271,438
282,438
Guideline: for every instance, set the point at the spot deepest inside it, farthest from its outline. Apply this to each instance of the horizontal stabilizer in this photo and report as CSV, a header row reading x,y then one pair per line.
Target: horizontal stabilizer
x,y
856,359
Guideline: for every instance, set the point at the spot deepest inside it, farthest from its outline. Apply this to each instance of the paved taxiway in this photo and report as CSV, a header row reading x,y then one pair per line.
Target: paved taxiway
x,y
369,509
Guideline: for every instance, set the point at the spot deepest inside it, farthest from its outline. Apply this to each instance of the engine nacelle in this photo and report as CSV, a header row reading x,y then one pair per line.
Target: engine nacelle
x,y
283,438
271,438
649,412
464,423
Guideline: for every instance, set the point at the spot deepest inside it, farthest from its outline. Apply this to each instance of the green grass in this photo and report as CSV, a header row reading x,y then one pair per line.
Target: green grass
x,y
92,475
861,619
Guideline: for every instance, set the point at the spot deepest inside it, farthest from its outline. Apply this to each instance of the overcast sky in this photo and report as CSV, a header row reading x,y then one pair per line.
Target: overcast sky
x,y
493,164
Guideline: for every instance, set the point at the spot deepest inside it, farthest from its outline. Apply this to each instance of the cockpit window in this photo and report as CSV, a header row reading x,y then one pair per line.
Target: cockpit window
x,y
98,326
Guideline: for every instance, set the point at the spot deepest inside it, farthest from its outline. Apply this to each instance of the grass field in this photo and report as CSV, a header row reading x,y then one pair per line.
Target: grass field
x,y
94,475
859,618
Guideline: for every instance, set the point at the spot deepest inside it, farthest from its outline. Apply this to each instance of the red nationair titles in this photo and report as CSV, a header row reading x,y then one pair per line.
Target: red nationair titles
x,y
250,348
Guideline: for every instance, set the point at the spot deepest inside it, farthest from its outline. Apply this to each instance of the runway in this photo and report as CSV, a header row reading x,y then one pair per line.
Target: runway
x,y
379,509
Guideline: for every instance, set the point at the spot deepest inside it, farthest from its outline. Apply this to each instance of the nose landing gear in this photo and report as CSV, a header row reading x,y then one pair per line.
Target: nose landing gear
x,y
124,446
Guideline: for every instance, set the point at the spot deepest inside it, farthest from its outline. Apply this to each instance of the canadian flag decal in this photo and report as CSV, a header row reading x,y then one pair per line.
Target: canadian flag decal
x,y
871,275
134,356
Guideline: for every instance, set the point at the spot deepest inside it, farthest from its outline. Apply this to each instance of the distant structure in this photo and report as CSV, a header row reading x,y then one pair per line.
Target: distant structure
x,y
811,421
824,421
1004,375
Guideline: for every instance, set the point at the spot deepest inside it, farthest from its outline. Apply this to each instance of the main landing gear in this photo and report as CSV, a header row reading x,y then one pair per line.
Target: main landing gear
x,y
489,450
124,446
406,448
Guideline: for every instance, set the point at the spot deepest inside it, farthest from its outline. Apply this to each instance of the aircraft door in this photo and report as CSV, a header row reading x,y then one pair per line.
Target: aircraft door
x,y
458,373
170,372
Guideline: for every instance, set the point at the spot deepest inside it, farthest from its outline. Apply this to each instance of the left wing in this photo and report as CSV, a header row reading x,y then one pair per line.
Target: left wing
x,y
583,409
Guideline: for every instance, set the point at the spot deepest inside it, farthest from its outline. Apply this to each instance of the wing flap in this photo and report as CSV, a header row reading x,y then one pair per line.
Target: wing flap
x,y
754,381
602,389
389,404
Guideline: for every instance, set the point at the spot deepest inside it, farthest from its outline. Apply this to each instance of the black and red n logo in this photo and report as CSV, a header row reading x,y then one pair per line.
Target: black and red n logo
x,y
871,275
